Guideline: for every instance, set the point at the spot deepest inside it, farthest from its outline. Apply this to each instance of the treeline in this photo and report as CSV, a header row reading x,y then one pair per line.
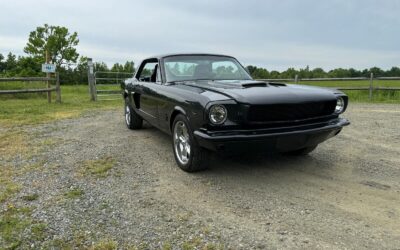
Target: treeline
x,y
261,73
75,73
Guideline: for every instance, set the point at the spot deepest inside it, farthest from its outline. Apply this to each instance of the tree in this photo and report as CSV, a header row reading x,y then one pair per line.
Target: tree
x,y
129,67
377,71
354,72
28,66
394,71
57,41
100,66
339,72
117,68
289,73
305,73
318,73
11,62
2,64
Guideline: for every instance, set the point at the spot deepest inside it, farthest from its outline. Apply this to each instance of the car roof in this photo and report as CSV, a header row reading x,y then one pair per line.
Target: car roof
x,y
186,54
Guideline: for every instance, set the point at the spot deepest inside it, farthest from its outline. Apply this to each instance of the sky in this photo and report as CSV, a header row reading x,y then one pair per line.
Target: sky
x,y
275,34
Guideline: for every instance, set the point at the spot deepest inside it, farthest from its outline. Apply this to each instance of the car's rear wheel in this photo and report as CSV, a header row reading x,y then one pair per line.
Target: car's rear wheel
x,y
132,119
303,151
189,156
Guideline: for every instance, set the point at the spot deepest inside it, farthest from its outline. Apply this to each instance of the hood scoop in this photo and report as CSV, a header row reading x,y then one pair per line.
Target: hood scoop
x,y
263,84
254,84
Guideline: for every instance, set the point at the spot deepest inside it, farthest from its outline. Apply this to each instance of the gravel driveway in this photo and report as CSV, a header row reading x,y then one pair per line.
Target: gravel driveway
x,y
344,195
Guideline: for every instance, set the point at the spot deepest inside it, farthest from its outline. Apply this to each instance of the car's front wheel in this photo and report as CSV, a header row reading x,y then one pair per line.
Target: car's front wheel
x,y
189,156
132,119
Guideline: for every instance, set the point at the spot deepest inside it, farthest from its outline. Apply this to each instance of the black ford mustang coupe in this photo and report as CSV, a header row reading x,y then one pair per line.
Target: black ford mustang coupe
x,y
210,102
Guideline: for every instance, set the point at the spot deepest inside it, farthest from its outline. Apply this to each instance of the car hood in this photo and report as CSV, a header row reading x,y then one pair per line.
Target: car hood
x,y
260,92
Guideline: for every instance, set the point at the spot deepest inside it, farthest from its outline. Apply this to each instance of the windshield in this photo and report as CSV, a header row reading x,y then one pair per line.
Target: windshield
x,y
203,67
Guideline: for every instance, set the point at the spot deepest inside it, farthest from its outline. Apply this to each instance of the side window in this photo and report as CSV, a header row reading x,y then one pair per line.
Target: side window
x,y
149,72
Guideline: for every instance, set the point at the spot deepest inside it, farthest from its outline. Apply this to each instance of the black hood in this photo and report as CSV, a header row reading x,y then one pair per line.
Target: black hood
x,y
260,92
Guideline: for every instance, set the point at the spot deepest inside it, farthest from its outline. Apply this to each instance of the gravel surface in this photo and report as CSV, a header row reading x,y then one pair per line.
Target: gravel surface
x,y
344,195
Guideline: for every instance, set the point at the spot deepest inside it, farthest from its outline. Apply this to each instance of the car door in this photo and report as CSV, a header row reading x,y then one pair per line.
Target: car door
x,y
148,95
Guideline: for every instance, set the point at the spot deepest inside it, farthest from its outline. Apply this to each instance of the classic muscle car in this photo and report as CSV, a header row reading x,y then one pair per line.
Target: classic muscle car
x,y
210,102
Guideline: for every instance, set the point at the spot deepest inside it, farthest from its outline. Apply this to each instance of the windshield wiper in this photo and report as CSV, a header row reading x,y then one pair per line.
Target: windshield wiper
x,y
203,79
185,81
177,82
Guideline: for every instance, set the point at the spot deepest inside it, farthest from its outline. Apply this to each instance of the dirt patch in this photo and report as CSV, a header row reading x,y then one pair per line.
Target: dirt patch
x,y
346,194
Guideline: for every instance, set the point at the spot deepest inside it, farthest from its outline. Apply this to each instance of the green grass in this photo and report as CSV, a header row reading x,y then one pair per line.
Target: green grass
x,y
30,197
74,193
28,109
98,168
7,186
18,229
105,245
381,96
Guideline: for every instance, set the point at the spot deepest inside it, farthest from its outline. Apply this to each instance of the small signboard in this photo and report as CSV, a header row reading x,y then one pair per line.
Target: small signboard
x,y
48,68
90,64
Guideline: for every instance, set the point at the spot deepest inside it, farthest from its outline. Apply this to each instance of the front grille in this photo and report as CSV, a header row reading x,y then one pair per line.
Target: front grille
x,y
290,112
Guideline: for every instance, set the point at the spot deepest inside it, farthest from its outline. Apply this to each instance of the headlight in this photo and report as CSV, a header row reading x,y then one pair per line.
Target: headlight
x,y
339,105
218,114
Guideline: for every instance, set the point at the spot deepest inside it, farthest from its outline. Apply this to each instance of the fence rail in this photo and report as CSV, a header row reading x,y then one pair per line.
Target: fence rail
x,y
370,88
26,79
49,89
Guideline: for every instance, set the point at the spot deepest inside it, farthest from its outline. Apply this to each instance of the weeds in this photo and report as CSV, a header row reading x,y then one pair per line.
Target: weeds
x,y
30,197
98,168
74,193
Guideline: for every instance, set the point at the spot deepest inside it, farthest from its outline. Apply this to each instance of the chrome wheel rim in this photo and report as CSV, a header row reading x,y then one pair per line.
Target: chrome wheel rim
x,y
182,142
127,115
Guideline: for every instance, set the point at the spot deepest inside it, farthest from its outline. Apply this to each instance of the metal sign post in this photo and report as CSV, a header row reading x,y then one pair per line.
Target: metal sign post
x,y
48,68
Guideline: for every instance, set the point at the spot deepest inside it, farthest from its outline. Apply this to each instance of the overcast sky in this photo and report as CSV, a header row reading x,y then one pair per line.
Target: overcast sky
x,y
275,34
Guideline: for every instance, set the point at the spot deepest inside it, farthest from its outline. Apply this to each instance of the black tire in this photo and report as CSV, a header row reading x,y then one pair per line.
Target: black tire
x,y
132,119
303,151
198,159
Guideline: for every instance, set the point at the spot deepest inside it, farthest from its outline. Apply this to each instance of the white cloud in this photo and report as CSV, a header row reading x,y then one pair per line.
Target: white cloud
x,y
275,34
12,44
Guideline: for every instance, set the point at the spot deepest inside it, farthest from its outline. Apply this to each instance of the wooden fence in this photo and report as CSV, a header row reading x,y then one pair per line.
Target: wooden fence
x,y
48,89
371,88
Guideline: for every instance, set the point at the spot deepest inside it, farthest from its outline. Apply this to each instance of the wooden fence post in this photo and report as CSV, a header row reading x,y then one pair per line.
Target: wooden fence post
x,y
48,76
92,87
371,82
296,79
58,88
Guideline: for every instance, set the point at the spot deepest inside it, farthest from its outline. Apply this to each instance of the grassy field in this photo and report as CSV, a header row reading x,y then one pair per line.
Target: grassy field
x,y
25,109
